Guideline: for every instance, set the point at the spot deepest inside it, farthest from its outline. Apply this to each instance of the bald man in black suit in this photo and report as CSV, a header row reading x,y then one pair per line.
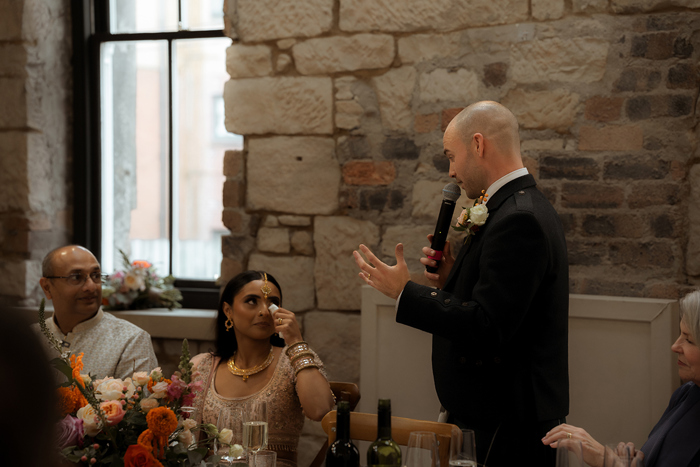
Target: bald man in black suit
x,y
498,313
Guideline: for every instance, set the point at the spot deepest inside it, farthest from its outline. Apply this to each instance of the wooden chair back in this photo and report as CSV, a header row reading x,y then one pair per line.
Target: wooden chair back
x,y
341,391
363,426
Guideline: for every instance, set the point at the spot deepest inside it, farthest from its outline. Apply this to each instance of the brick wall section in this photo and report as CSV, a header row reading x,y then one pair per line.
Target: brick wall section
x,y
605,93
35,173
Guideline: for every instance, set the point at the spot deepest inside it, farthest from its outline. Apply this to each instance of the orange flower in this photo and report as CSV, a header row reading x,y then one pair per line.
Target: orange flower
x,y
141,264
70,399
161,421
76,363
140,456
146,439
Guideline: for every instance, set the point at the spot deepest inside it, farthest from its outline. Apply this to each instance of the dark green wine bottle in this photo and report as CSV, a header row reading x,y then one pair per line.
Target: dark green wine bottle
x,y
384,451
342,453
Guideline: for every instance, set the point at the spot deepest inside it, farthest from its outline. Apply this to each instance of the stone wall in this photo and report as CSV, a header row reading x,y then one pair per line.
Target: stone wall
x,y
35,141
343,104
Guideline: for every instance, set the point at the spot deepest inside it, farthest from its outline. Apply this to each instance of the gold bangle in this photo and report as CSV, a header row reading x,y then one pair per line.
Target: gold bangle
x,y
294,349
303,364
296,357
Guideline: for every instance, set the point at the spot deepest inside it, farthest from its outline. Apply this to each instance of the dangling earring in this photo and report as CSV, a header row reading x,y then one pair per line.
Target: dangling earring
x,y
228,324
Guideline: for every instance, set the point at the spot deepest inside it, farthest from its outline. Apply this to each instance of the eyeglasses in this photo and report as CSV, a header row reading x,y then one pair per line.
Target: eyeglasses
x,y
79,278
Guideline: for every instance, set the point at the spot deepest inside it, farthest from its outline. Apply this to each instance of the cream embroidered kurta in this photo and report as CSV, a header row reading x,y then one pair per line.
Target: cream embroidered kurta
x,y
111,346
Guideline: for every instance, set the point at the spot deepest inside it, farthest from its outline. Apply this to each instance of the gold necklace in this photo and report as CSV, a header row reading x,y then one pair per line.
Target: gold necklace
x,y
246,372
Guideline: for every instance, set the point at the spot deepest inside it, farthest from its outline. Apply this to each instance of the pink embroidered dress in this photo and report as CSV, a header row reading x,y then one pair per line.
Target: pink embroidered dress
x,y
284,412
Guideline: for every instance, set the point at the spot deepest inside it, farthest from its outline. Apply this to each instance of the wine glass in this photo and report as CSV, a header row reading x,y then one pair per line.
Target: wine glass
x,y
569,453
255,426
462,449
622,455
262,458
190,413
227,445
422,450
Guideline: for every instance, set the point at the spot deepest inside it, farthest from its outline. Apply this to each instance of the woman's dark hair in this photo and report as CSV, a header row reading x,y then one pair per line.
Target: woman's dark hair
x,y
226,343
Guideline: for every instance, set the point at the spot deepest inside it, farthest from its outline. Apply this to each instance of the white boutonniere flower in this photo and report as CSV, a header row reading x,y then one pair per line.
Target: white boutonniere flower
x,y
471,219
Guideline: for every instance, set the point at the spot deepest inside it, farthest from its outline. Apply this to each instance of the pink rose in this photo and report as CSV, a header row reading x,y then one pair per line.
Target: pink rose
x,y
114,411
70,432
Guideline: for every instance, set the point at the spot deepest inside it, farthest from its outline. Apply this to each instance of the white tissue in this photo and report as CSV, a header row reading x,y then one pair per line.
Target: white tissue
x,y
273,308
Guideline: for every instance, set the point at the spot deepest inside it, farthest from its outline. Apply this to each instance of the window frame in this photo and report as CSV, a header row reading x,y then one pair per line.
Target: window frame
x,y
91,20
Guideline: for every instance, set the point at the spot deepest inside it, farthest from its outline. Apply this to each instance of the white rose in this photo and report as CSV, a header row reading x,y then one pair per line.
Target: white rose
x,y
225,436
148,404
91,423
112,389
158,390
237,451
141,378
156,374
479,214
189,424
186,438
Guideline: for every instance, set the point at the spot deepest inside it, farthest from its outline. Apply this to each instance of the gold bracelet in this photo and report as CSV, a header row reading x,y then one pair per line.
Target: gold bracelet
x,y
297,348
304,363
296,357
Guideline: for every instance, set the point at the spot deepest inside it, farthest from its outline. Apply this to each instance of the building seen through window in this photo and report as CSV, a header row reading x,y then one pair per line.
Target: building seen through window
x,y
162,136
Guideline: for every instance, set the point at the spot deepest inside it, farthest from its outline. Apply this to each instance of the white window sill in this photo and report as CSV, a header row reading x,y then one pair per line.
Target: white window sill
x,y
158,322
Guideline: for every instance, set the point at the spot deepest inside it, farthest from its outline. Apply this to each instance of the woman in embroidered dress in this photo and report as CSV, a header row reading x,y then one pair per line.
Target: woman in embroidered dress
x,y
251,363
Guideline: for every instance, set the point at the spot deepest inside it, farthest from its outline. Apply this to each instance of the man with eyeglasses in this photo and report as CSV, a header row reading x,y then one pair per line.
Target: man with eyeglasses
x,y
72,280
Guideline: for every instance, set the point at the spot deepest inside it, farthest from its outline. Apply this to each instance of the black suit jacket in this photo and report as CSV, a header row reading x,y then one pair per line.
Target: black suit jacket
x,y
500,325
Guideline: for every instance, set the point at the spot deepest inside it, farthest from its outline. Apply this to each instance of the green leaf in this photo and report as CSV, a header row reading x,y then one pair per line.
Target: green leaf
x,y
62,366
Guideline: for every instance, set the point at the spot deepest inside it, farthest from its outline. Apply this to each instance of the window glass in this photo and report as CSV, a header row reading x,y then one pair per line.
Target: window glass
x,y
200,141
202,14
131,16
135,153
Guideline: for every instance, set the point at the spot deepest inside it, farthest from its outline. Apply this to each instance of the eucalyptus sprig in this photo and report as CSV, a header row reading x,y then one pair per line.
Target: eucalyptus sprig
x,y
47,332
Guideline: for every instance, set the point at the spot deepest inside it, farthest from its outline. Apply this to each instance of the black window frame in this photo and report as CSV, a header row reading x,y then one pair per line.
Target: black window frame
x,y
90,23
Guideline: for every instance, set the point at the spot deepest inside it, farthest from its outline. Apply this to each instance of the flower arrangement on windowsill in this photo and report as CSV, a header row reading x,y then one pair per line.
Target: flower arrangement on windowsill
x,y
138,287
138,422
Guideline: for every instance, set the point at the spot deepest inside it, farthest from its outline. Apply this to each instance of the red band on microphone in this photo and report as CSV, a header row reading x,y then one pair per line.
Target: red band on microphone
x,y
437,257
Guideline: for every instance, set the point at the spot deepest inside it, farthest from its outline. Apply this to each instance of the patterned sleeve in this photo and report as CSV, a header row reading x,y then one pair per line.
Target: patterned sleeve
x,y
204,367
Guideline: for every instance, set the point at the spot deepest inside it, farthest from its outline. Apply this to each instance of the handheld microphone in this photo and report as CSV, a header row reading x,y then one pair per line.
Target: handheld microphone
x,y
450,194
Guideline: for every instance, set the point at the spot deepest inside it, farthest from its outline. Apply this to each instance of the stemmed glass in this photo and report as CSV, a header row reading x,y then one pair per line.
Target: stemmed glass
x,y
622,455
422,450
255,426
569,453
225,447
462,449
189,412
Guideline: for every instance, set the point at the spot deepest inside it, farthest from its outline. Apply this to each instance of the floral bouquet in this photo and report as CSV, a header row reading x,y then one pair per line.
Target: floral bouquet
x,y
137,287
136,422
